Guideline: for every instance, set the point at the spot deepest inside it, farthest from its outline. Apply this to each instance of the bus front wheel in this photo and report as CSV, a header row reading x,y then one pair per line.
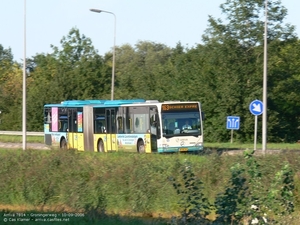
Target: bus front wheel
x,y
100,146
141,146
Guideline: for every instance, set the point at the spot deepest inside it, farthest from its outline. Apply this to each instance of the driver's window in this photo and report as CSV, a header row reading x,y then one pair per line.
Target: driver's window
x,y
153,128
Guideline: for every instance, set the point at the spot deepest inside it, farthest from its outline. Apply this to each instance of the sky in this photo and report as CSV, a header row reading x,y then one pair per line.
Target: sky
x,y
161,21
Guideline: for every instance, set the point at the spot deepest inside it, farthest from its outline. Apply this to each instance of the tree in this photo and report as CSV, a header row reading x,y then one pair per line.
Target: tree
x,y
10,91
80,74
74,72
141,71
246,23
284,91
235,62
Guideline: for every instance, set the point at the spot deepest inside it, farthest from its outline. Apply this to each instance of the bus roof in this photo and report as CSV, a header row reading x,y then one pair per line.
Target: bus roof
x,y
103,103
121,102
97,103
152,102
117,103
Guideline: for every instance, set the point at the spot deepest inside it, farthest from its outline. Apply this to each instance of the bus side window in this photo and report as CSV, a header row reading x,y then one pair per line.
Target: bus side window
x,y
48,118
65,127
99,128
120,125
128,125
153,123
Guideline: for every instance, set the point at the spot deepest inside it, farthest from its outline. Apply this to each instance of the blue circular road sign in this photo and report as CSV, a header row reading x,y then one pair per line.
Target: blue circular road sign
x,y
256,107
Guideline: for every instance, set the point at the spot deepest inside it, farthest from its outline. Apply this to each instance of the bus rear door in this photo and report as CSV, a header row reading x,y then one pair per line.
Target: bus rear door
x,y
75,134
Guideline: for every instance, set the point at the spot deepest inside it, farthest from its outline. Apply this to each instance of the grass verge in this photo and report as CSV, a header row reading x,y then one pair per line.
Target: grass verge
x,y
18,138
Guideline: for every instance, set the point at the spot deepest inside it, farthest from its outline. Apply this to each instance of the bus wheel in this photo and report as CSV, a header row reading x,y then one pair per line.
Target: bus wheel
x,y
63,144
141,146
100,146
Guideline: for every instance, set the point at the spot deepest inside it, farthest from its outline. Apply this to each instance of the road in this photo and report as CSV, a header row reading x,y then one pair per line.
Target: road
x,y
240,151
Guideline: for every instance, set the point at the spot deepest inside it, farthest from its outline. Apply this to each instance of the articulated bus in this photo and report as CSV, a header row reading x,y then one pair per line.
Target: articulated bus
x,y
143,126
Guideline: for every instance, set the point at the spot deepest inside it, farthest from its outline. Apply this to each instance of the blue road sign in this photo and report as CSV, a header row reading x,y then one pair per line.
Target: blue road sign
x,y
233,122
256,107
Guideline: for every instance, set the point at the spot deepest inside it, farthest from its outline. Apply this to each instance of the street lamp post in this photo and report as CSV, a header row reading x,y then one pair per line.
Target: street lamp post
x,y
24,83
114,52
264,119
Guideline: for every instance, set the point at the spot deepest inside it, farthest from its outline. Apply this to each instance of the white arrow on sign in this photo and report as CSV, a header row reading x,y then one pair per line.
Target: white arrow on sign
x,y
256,107
233,122
236,122
229,120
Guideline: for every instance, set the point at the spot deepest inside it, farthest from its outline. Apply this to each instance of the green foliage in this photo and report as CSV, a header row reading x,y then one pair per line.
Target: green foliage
x,y
228,203
194,206
224,73
104,184
281,191
74,72
247,198
10,91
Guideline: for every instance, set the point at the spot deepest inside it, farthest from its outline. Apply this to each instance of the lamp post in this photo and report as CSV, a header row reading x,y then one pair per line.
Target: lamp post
x,y
264,119
114,52
24,83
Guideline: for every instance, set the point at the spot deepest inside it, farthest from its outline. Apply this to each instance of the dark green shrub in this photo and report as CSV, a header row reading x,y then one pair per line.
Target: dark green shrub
x,y
194,205
228,203
247,196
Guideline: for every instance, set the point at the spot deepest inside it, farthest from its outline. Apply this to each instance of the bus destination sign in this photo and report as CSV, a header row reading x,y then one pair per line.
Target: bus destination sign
x,y
180,107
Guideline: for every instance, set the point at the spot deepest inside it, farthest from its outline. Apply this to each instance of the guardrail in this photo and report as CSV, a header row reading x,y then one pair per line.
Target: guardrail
x,y
29,133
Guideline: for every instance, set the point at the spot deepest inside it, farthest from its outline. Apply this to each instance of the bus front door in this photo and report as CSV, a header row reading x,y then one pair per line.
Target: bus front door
x,y
110,118
154,131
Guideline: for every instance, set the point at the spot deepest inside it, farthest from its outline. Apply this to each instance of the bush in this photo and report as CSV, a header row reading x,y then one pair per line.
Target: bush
x,y
137,184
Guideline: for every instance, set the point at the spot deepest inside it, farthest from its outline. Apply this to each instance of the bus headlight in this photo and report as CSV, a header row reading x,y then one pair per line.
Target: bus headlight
x,y
198,144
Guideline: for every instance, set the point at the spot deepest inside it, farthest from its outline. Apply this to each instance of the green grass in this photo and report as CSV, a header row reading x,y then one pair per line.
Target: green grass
x,y
18,138
275,146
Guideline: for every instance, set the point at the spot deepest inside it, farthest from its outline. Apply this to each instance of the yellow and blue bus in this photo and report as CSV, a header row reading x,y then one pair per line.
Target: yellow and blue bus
x,y
143,126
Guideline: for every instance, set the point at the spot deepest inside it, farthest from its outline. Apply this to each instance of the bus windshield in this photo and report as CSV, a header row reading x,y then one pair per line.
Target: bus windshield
x,y
181,124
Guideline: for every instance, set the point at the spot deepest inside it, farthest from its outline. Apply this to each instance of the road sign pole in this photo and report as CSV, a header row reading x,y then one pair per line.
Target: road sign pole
x,y
255,133
231,136
256,107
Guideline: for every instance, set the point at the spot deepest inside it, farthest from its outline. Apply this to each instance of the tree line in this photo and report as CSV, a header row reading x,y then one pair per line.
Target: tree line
x,y
224,73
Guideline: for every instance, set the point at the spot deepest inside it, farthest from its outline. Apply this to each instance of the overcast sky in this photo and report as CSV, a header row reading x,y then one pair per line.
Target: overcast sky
x,y
161,21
